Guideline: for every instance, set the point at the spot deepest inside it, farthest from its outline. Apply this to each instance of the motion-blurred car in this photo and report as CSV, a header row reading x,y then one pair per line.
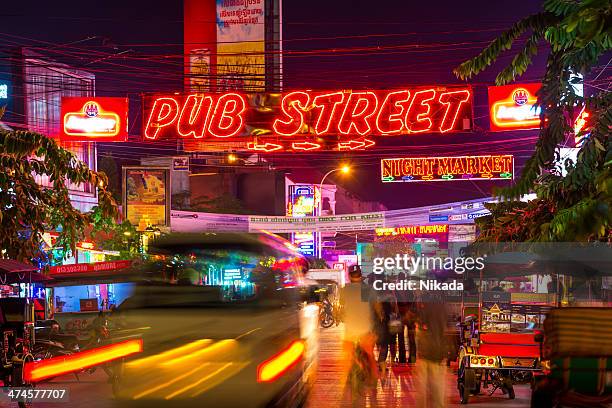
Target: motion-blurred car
x,y
222,324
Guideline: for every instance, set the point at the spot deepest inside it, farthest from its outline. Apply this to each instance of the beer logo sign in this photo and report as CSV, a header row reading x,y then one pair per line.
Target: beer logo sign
x,y
89,119
520,96
91,109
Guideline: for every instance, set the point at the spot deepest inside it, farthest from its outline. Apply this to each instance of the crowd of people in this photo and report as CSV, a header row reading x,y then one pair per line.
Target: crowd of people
x,y
387,328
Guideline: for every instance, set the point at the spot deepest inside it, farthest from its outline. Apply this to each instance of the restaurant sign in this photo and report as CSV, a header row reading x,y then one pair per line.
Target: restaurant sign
x,y
89,267
437,168
298,120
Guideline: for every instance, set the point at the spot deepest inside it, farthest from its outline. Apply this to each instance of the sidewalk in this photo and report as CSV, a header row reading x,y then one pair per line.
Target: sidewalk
x,y
397,388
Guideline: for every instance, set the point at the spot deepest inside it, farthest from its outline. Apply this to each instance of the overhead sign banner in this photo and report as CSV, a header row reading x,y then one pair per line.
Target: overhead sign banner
x,y
349,222
415,169
146,196
301,120
91,119
188,221
511,107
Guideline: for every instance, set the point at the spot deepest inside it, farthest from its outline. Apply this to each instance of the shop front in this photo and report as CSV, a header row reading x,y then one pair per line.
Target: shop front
x,y
77,293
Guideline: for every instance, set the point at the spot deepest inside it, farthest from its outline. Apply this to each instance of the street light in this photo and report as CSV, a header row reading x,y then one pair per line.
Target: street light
x,y
345,169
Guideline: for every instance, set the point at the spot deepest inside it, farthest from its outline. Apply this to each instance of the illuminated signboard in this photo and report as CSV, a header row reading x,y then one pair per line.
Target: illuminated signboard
x,y
511,107
413,230
90,119
3,91
413,169
303,201
305,242
297,120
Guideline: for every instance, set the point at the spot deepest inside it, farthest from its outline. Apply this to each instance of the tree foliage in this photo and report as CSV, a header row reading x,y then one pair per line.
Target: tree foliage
x,y
575,206
27,209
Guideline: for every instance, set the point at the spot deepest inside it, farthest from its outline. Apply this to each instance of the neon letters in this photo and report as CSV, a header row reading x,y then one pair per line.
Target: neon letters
x,y
349,115
413,169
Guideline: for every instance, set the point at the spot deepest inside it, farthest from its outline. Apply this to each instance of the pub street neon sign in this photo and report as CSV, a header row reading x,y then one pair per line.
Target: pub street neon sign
x,y
300,117
414,169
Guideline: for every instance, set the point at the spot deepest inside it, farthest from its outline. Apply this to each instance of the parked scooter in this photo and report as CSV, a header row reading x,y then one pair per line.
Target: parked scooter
x,y
326,314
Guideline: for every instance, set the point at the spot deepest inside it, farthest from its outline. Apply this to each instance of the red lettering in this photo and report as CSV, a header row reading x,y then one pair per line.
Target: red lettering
x,y
292,106
163,113
227,118
194,116
326,103
389,120
417,117
359,107
453,102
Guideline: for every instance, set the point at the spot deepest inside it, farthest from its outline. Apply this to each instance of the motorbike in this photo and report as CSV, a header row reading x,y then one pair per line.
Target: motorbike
x,y
326,314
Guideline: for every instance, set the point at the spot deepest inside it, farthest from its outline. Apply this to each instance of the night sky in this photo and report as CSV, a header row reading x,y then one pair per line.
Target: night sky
x,y
420,44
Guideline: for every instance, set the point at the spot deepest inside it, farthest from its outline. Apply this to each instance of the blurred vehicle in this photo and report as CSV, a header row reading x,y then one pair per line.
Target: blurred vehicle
x,y
577,353
223,324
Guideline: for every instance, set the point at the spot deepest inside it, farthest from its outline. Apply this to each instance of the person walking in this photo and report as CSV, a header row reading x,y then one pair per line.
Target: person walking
x,y
431,341
356,302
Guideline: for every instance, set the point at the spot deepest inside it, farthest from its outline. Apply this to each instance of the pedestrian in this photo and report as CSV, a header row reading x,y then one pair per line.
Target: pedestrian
x,y
385,307
431,340
407,315
356,300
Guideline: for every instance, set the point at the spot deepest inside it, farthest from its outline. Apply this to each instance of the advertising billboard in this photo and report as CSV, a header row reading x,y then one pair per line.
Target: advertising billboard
x,y
437,168
511,107
146,196
91,119
240,45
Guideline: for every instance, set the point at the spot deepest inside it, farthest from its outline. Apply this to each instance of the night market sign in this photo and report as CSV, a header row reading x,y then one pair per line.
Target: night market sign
x,y
298,120
437,168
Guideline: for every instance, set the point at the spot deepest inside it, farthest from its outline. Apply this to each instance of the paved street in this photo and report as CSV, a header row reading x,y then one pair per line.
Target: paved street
x,y
397,389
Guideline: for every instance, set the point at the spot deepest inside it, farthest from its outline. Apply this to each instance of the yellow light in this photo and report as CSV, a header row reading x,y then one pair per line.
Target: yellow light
x,y
273,368
345,169
55,366
177,351
127,233
231,158
218,346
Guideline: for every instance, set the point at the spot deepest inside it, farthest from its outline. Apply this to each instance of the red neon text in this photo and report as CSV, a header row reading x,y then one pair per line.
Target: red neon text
x,y
193,116
348,114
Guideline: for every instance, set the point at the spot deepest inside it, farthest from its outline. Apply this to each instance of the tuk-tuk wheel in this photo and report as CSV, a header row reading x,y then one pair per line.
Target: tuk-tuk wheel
x,y
466,382
509,388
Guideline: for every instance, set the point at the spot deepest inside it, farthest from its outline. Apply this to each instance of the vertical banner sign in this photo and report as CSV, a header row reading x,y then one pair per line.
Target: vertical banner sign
x,y
302,202
240,45
146,196
511,107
